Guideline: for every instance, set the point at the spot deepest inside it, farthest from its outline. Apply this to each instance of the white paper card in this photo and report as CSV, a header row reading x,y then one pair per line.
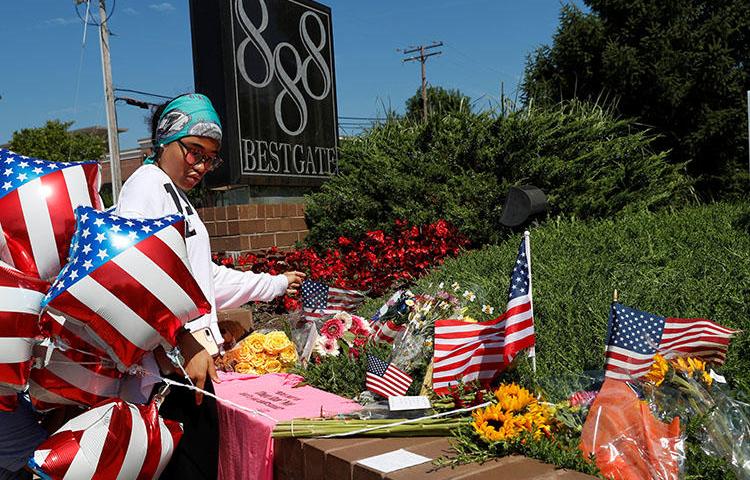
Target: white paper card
x,y
717,377
408,403
392,461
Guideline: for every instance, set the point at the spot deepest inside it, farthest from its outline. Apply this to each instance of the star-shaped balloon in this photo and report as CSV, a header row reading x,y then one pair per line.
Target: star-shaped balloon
x,y
128,286
37,200
113,440
20,302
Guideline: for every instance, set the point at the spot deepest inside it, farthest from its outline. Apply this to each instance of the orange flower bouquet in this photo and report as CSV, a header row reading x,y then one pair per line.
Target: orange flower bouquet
x,y
261,353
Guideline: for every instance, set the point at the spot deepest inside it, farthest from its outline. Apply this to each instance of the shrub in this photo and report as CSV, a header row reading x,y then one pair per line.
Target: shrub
x,y
459,166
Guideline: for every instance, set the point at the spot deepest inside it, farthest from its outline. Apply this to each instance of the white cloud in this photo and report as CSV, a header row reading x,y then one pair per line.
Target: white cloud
x,y
162,7
130,11
60,21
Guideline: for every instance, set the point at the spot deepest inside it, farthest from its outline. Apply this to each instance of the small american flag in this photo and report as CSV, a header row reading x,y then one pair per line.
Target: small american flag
x,y
320,301
128,283
635,336
37,200
469,351
387,331
385,379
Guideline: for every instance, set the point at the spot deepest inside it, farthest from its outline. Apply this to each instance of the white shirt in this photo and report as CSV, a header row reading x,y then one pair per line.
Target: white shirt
x,y
150,193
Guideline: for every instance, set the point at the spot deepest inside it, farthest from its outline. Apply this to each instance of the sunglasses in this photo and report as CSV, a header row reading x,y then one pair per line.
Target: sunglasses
x,y
195,157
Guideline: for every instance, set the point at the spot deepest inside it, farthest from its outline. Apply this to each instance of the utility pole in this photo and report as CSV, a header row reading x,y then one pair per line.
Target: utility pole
x,y
109,94
422,57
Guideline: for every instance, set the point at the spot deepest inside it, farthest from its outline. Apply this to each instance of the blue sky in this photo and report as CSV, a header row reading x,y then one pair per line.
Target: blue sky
x,y
48,74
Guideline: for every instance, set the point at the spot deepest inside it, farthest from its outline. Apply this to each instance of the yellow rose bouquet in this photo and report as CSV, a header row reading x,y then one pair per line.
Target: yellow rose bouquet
x,y
260,353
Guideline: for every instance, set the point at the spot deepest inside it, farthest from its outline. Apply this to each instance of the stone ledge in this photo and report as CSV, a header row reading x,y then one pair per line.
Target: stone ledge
x,y
335,459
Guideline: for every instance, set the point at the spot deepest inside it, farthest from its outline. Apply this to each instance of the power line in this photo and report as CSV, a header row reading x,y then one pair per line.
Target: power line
x,y
422,57
139,92
136,103
361,118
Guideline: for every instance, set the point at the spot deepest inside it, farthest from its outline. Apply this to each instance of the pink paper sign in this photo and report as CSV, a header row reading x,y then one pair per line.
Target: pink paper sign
x,y
246,449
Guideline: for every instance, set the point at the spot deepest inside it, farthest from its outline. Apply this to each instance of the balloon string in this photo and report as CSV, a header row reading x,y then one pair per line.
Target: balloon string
x,y
77,363
142,371
222,400
185,374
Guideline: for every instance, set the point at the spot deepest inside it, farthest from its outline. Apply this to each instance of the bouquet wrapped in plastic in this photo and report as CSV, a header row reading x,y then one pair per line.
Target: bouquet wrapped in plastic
x,y
260,353
683,387
413,344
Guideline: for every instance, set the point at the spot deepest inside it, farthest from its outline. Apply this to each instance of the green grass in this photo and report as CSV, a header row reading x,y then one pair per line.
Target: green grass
x,y
693,262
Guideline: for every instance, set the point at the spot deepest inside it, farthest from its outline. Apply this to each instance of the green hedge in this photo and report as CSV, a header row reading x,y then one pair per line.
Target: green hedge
x,y
459,166
693,262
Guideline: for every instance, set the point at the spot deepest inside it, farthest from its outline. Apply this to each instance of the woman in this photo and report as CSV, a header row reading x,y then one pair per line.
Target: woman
x,y
20,434
186,134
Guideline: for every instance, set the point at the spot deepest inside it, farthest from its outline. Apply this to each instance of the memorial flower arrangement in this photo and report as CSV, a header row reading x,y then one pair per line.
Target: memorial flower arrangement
x,y
518,421
260,353
514,411
413,347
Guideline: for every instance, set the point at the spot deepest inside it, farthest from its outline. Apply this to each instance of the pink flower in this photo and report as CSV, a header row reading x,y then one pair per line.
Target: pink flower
x,y
360,325
331,347
333,329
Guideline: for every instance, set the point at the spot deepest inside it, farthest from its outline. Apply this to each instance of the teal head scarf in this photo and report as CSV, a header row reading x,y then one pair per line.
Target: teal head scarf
x,y
185,116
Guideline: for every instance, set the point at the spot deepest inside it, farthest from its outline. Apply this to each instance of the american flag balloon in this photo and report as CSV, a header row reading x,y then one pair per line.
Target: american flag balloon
x,y
76,373
128,284
113,440
8,399
20,302
37,200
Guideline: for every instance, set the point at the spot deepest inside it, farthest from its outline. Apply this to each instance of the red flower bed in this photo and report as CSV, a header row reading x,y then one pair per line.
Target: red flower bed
x,y
372,264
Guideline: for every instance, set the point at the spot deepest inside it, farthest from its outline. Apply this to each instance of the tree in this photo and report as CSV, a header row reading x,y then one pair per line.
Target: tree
x,y
439,102
681,67
55,142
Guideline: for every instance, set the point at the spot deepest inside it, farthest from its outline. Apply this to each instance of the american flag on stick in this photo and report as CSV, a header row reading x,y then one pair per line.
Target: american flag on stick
x,y
37,200
387,331
385,379
635,336
319,301
128,283
469,351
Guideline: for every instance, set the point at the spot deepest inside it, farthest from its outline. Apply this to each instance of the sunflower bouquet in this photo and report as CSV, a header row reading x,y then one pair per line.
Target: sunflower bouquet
x,y
260,353
520,422
684,387
514,412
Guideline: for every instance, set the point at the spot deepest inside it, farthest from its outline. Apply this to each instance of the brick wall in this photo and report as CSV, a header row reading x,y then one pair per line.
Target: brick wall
x,y
244,228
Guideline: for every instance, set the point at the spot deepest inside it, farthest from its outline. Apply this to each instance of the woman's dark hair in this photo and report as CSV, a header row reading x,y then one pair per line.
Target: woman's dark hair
x,y
154,120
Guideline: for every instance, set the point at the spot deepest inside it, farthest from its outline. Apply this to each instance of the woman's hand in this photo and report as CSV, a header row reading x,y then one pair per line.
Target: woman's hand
x,y
295,279
198,363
